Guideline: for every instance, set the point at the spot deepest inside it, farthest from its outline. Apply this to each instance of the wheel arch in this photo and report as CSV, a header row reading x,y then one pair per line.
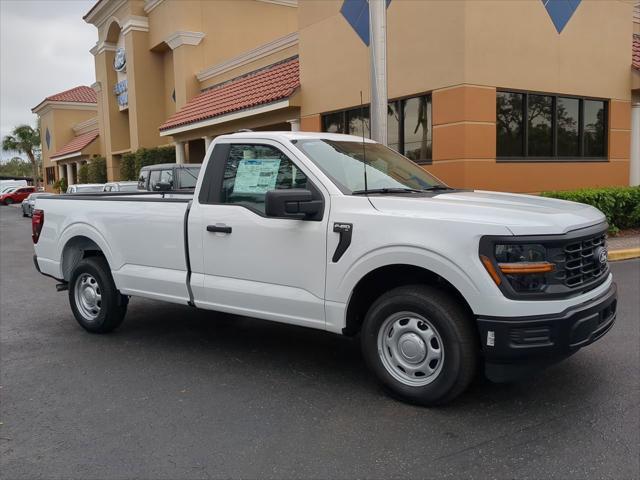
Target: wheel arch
x,y
78,243
387,277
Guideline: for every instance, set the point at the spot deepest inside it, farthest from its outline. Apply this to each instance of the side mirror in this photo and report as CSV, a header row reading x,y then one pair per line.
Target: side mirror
x,y
293,203
162,187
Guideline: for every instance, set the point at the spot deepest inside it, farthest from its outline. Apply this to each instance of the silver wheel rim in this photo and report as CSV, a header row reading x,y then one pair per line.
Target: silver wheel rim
x,y
410,349
88,296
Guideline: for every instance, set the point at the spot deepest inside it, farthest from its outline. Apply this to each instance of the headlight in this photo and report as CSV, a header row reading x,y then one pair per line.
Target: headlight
x,y
523,265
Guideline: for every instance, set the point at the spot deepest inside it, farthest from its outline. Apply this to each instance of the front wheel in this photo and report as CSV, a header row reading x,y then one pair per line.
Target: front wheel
x,y
420,344
96,303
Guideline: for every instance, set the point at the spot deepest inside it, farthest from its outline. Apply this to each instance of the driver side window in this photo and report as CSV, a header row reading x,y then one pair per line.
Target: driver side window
x,y
251,170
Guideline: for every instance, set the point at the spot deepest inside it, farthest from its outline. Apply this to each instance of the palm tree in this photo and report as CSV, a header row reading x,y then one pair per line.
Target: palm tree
x,y
24,139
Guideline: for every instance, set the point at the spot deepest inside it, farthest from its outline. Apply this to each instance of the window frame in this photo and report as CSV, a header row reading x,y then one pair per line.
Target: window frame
x,y
213,180
554,157
400,105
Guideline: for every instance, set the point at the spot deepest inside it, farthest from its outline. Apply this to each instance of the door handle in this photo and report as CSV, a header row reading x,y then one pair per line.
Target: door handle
x,y
218,228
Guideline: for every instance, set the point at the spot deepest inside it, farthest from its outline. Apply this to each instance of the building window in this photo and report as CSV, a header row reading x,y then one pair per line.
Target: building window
x,y
409,129
533,126
50,173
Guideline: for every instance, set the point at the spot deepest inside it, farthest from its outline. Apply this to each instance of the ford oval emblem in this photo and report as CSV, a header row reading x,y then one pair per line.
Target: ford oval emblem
x,y
601,254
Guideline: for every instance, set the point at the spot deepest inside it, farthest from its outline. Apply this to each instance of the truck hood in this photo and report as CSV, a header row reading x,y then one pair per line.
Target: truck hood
x,y
521,214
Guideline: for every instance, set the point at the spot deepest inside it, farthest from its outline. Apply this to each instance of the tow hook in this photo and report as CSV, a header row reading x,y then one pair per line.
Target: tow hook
x,y
61,287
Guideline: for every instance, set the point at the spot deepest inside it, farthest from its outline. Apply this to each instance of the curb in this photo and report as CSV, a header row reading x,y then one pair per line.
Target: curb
x,y
624,254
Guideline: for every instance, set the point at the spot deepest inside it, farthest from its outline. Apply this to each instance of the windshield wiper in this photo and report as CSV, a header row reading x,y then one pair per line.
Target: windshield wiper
x,y
386,190
436,187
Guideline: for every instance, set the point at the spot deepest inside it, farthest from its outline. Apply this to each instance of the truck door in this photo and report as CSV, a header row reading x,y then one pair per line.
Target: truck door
x,y
252,264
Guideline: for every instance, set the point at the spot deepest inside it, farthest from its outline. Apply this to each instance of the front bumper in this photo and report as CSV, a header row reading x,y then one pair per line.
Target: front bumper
x,y
516,346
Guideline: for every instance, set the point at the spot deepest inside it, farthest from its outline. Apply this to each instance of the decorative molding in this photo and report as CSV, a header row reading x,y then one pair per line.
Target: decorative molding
x,y
284,3
226,118
149,5
101,47
262,51
86,125
135,23
179,38
103,10
97,87
46,106
67,156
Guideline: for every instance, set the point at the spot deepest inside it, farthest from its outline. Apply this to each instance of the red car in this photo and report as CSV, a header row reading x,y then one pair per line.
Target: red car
x,y
18,195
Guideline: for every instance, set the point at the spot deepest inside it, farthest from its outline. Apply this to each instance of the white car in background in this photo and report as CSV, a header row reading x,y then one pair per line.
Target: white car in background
x,y
120,187
85,188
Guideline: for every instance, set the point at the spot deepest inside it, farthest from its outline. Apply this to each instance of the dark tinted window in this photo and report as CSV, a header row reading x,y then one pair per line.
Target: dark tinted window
x,y
355,122
417,128
393,126
510,111
567,118
593,125
188,177
142,179
252,170
333,122
539,114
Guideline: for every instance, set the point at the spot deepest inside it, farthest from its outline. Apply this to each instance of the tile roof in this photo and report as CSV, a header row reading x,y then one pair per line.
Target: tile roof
x,y
635,61
81,94
261,87
76,144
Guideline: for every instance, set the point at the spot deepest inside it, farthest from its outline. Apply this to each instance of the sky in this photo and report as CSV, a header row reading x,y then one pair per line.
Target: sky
x,y
44,49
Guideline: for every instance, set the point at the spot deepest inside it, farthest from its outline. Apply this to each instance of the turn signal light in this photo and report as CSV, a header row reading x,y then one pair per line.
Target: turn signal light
x,y
525,268
488,264
37,222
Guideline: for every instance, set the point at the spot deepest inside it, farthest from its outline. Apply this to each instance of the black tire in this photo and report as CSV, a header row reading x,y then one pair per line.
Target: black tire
x,y
8,201
25,215
454,328
111,306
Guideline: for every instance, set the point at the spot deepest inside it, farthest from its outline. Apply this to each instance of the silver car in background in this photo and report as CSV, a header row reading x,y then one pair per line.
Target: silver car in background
x,y
29,203
85,188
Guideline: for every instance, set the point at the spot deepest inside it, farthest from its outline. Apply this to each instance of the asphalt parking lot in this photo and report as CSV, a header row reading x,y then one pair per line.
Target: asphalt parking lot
x,y
177,393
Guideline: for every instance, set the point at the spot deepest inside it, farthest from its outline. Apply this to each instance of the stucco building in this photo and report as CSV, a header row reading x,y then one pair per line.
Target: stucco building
x,y
520,96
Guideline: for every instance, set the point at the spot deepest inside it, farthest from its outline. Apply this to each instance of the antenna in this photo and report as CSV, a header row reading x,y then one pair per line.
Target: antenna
x,y
364,150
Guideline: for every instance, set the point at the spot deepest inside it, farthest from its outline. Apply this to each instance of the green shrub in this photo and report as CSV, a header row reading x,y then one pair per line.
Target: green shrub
x,y
131,163
83,173
61,185
97,170
128,167
621,205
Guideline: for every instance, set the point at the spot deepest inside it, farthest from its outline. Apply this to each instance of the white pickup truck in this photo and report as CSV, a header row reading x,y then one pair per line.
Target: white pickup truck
x,y
341,234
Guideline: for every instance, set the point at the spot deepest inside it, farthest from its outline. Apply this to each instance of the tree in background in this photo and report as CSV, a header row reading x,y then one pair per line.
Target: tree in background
x,y
97,170
83,173
61,185
16,167
25,139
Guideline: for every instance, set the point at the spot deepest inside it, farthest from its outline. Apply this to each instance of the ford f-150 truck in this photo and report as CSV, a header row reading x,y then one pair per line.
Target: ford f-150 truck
x,y
342,234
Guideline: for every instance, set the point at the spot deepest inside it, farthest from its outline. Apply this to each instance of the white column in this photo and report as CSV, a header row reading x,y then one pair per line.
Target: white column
x,y
70,180
295,124
78,165
180,156
378,53
207,142
634,164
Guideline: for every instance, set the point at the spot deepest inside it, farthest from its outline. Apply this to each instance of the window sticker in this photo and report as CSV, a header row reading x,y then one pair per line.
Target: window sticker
x,y
256,175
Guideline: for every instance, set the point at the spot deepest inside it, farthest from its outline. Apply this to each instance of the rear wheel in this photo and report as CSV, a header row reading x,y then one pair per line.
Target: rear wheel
x,y
8,201
96,303
420,344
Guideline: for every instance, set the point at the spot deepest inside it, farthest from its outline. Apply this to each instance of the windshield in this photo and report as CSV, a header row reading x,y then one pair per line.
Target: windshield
x,y
386,169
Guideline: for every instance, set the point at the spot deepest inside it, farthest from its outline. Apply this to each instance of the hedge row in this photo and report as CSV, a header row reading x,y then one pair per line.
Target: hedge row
x,y
93,172
621,205
131,163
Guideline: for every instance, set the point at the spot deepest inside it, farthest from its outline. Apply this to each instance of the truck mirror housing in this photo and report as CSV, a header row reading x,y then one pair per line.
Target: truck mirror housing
x,y
162,187
292,203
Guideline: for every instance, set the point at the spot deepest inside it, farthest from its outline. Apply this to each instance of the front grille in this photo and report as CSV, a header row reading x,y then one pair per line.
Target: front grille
x,y
581,261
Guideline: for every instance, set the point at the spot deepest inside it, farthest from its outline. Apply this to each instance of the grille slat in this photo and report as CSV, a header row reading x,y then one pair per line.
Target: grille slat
x,y
581,265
